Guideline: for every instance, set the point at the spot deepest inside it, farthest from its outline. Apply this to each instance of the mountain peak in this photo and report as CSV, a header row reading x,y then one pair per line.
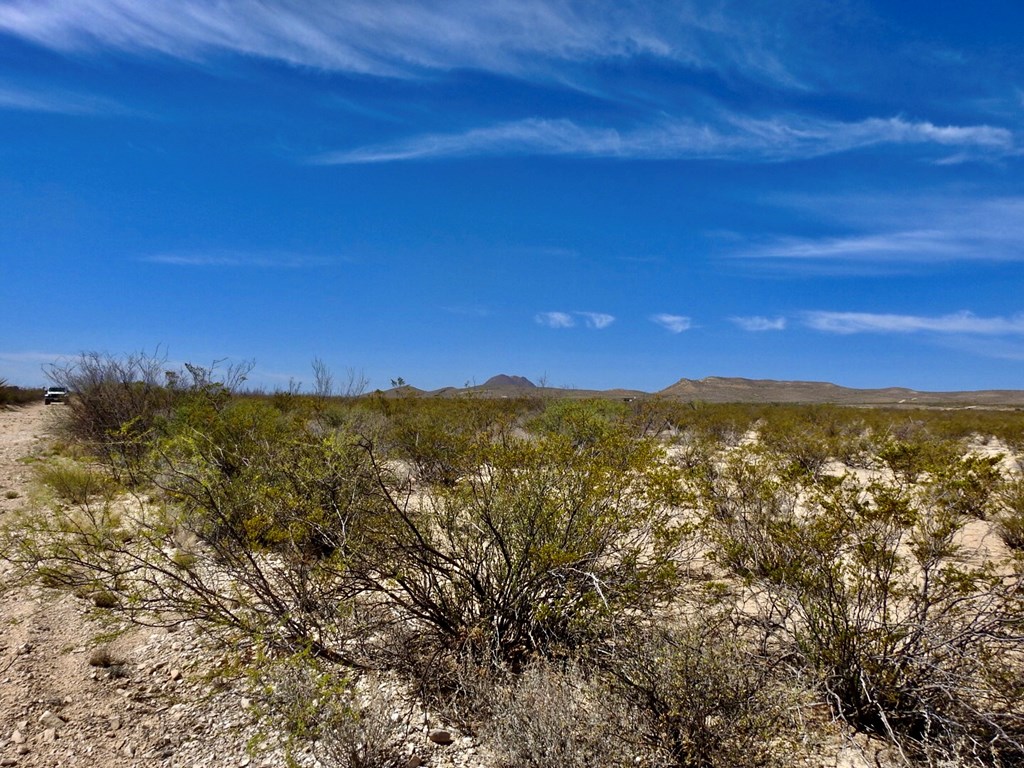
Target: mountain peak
x,y
504,380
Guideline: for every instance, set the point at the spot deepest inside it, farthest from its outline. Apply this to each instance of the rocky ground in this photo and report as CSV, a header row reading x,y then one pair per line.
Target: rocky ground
x,y
80,688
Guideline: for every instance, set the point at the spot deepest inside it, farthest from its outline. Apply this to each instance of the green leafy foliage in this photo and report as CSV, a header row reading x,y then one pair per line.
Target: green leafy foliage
x,y
543,546
871,587
584,422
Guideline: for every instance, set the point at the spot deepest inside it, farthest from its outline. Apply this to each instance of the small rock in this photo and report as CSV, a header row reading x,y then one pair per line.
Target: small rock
x,y
50,735
101,657
22,749
175,674
440,736
104,599
50,720
115,723
414,762
18,737
8,761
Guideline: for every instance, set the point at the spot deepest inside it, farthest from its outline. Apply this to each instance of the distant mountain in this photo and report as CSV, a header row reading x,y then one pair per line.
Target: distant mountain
x,y
715,389
503,380
718,389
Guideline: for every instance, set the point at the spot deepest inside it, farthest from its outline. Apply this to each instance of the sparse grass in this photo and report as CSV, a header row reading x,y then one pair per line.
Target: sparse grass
x,y
74,483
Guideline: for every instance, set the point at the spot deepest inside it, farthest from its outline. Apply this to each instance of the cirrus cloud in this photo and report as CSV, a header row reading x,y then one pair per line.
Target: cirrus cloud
x,y
593,320
727,137
554,319
757,323
403,39
962,322
596,320
672,323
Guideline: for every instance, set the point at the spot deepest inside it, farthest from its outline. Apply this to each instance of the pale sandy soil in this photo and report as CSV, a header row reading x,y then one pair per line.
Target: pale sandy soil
x,y
157,709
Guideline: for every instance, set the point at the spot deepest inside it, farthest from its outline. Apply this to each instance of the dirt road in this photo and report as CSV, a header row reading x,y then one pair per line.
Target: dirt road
x,y
153,708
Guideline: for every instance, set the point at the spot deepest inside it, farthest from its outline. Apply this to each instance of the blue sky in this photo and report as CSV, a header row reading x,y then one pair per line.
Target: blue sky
x,y
601,193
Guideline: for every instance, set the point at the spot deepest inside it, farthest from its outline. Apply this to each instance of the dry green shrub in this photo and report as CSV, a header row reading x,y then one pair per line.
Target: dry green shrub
x,y
724,423
253,543
15,396
704,697
811,436
869,588
115,405
437,436
558,717
349,723
120,403
911,456
545,546
966,485
584,422
1010,517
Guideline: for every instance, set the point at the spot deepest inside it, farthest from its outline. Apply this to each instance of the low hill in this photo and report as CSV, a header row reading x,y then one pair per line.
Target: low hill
x,y
715,389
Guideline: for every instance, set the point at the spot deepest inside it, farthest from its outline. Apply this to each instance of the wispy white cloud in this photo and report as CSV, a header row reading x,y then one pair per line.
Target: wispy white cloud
x,y
757,323
593,320
732,137
394,37
596,320
673,323
891,231
40,358
555,319
963,322
56,102
238,260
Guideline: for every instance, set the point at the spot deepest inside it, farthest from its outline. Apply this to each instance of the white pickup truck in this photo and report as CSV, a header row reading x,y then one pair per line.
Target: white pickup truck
x,y
55,395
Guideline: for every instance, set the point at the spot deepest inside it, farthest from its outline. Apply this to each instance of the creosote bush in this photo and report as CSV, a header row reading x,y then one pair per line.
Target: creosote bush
x,y
1010,515
542,548
559,716
704,697
870,588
